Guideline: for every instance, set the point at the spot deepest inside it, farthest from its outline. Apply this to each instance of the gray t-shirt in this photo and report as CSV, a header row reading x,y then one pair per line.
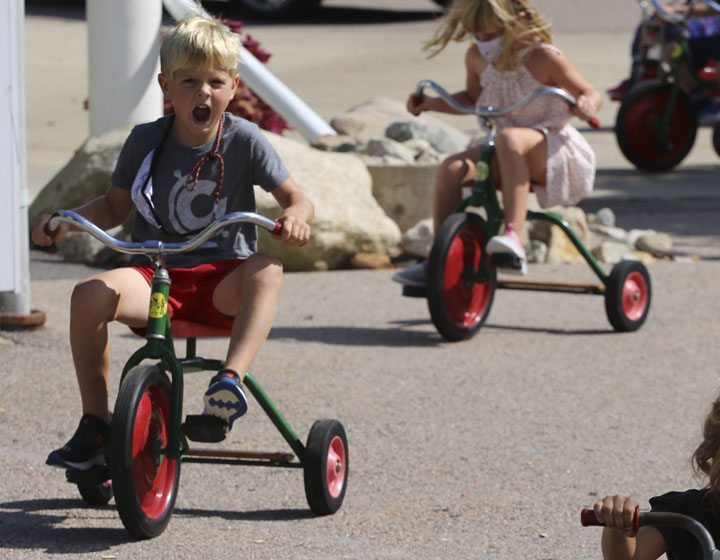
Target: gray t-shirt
x,y
181,210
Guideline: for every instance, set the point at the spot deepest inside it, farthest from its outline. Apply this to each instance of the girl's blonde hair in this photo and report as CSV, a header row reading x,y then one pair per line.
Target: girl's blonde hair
x,y
522,25
706,458
200,43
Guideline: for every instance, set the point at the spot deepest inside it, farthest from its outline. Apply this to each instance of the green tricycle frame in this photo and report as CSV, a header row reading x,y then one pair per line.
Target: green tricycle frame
x,y
147,445
461,277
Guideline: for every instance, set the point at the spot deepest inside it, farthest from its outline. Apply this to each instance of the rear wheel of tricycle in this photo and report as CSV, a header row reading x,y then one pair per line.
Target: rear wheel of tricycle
x,y
716,139
145,482
627,295
638,127
459,298
326,466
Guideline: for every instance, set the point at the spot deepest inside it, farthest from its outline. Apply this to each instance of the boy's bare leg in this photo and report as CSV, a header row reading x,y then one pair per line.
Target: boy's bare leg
x,y
250,293
121,294
521,155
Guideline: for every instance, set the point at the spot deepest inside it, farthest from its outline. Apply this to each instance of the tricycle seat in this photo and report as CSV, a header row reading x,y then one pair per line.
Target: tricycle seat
x,y
190,329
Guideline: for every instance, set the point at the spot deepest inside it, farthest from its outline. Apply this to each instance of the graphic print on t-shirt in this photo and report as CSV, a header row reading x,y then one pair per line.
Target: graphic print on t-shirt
x,y
191,210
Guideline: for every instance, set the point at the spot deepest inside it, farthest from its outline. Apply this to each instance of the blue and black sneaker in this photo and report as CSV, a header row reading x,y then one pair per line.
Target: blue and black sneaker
x,y
87,447
225,398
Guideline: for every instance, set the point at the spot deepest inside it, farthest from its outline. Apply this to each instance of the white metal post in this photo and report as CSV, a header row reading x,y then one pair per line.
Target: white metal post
x,y
123,62
14,244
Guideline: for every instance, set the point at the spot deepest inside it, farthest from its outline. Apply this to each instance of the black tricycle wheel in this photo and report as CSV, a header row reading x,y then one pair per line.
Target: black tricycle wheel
x,y
627,295
326,466
637,127
145,482
716,139
459,299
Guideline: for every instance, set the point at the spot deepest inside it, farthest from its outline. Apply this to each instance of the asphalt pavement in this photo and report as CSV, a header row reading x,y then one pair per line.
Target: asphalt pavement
x,y
482,449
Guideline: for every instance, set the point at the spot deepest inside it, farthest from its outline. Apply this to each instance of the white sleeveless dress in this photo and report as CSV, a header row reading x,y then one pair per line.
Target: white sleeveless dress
x,y
570,159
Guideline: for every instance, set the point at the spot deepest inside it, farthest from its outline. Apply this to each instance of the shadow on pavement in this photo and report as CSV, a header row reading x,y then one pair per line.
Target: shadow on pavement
x,y
258,515
359,336
34,524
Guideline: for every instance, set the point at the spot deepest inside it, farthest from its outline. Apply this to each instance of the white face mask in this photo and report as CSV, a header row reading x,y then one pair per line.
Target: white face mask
x,y
490,50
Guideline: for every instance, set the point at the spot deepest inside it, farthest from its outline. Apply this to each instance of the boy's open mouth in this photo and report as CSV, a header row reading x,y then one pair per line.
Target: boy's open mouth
x,y
201,113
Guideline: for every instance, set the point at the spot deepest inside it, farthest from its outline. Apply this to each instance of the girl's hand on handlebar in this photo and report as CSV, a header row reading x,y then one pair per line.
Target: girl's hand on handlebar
x,y
295,231
617,512
584,108
43,236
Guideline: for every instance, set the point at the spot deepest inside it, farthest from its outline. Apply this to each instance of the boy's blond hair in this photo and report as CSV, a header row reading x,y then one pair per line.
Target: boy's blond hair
x,y
522,25
200,43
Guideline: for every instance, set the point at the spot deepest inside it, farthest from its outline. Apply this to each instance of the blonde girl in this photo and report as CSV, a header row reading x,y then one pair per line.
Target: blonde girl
x,y
511,55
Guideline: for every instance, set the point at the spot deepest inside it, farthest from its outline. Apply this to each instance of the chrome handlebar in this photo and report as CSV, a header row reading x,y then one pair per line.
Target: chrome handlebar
x,y
152,248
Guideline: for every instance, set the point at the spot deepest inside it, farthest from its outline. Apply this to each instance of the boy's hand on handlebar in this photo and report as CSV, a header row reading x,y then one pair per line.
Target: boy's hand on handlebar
x,y
43,236
617,512
416,104
295,231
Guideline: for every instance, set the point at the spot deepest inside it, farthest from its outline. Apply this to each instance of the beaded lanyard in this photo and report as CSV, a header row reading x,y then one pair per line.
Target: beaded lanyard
x,y
202,161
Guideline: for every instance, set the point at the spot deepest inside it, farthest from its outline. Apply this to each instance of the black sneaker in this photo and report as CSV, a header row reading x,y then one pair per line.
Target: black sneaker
x,y
86,449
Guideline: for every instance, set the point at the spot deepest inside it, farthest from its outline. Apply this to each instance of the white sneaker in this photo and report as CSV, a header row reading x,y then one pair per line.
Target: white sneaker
x,y
507,252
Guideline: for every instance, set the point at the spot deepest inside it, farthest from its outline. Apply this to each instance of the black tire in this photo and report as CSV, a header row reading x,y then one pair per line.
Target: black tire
x,y
638,119
278,8
627,295
458,302
326,466
716,139
94,491
145,487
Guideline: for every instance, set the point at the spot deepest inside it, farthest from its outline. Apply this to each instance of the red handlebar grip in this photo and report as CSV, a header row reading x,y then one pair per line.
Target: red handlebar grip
x,y
278,228
594,122
49,232
588,519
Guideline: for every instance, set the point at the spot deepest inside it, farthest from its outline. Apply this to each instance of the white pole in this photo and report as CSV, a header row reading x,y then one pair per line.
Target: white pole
x,y
267,86
14,248
123,62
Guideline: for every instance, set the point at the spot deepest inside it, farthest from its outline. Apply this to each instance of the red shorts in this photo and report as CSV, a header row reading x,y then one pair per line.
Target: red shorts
x,y
191,291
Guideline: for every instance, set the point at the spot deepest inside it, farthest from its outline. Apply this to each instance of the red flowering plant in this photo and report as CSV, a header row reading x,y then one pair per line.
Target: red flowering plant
x,y
246,104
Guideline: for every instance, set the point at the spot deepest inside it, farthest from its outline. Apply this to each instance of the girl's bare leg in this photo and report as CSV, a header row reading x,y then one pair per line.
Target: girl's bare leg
x,y
521,155
116,295
250,293
454,173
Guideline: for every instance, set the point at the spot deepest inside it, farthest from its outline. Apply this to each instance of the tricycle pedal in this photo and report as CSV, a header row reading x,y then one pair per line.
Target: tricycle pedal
x,y
205,428
89,476
506,260
413,291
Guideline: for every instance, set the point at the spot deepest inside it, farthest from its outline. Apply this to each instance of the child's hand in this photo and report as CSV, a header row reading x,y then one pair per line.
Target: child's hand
x,y
295,231
617,512
41,235
416,104
584,108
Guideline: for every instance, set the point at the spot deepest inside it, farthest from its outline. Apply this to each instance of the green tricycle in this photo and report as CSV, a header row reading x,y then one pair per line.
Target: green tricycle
x,y
147,445
461,277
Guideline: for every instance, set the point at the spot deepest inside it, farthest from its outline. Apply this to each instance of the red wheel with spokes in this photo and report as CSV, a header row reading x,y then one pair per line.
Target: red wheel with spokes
x,y
325,466
145,482
460,282
627,295
641,134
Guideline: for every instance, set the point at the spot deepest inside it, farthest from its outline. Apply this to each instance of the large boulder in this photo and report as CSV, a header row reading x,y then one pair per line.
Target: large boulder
x,y
348,219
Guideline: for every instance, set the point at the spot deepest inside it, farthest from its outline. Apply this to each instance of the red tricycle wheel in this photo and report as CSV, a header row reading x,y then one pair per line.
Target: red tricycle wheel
x,y
326,466
637,127
145,482
627,296
459,298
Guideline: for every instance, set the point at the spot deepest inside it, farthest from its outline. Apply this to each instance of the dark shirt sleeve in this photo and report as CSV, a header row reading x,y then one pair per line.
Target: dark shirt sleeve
x,y
681,544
